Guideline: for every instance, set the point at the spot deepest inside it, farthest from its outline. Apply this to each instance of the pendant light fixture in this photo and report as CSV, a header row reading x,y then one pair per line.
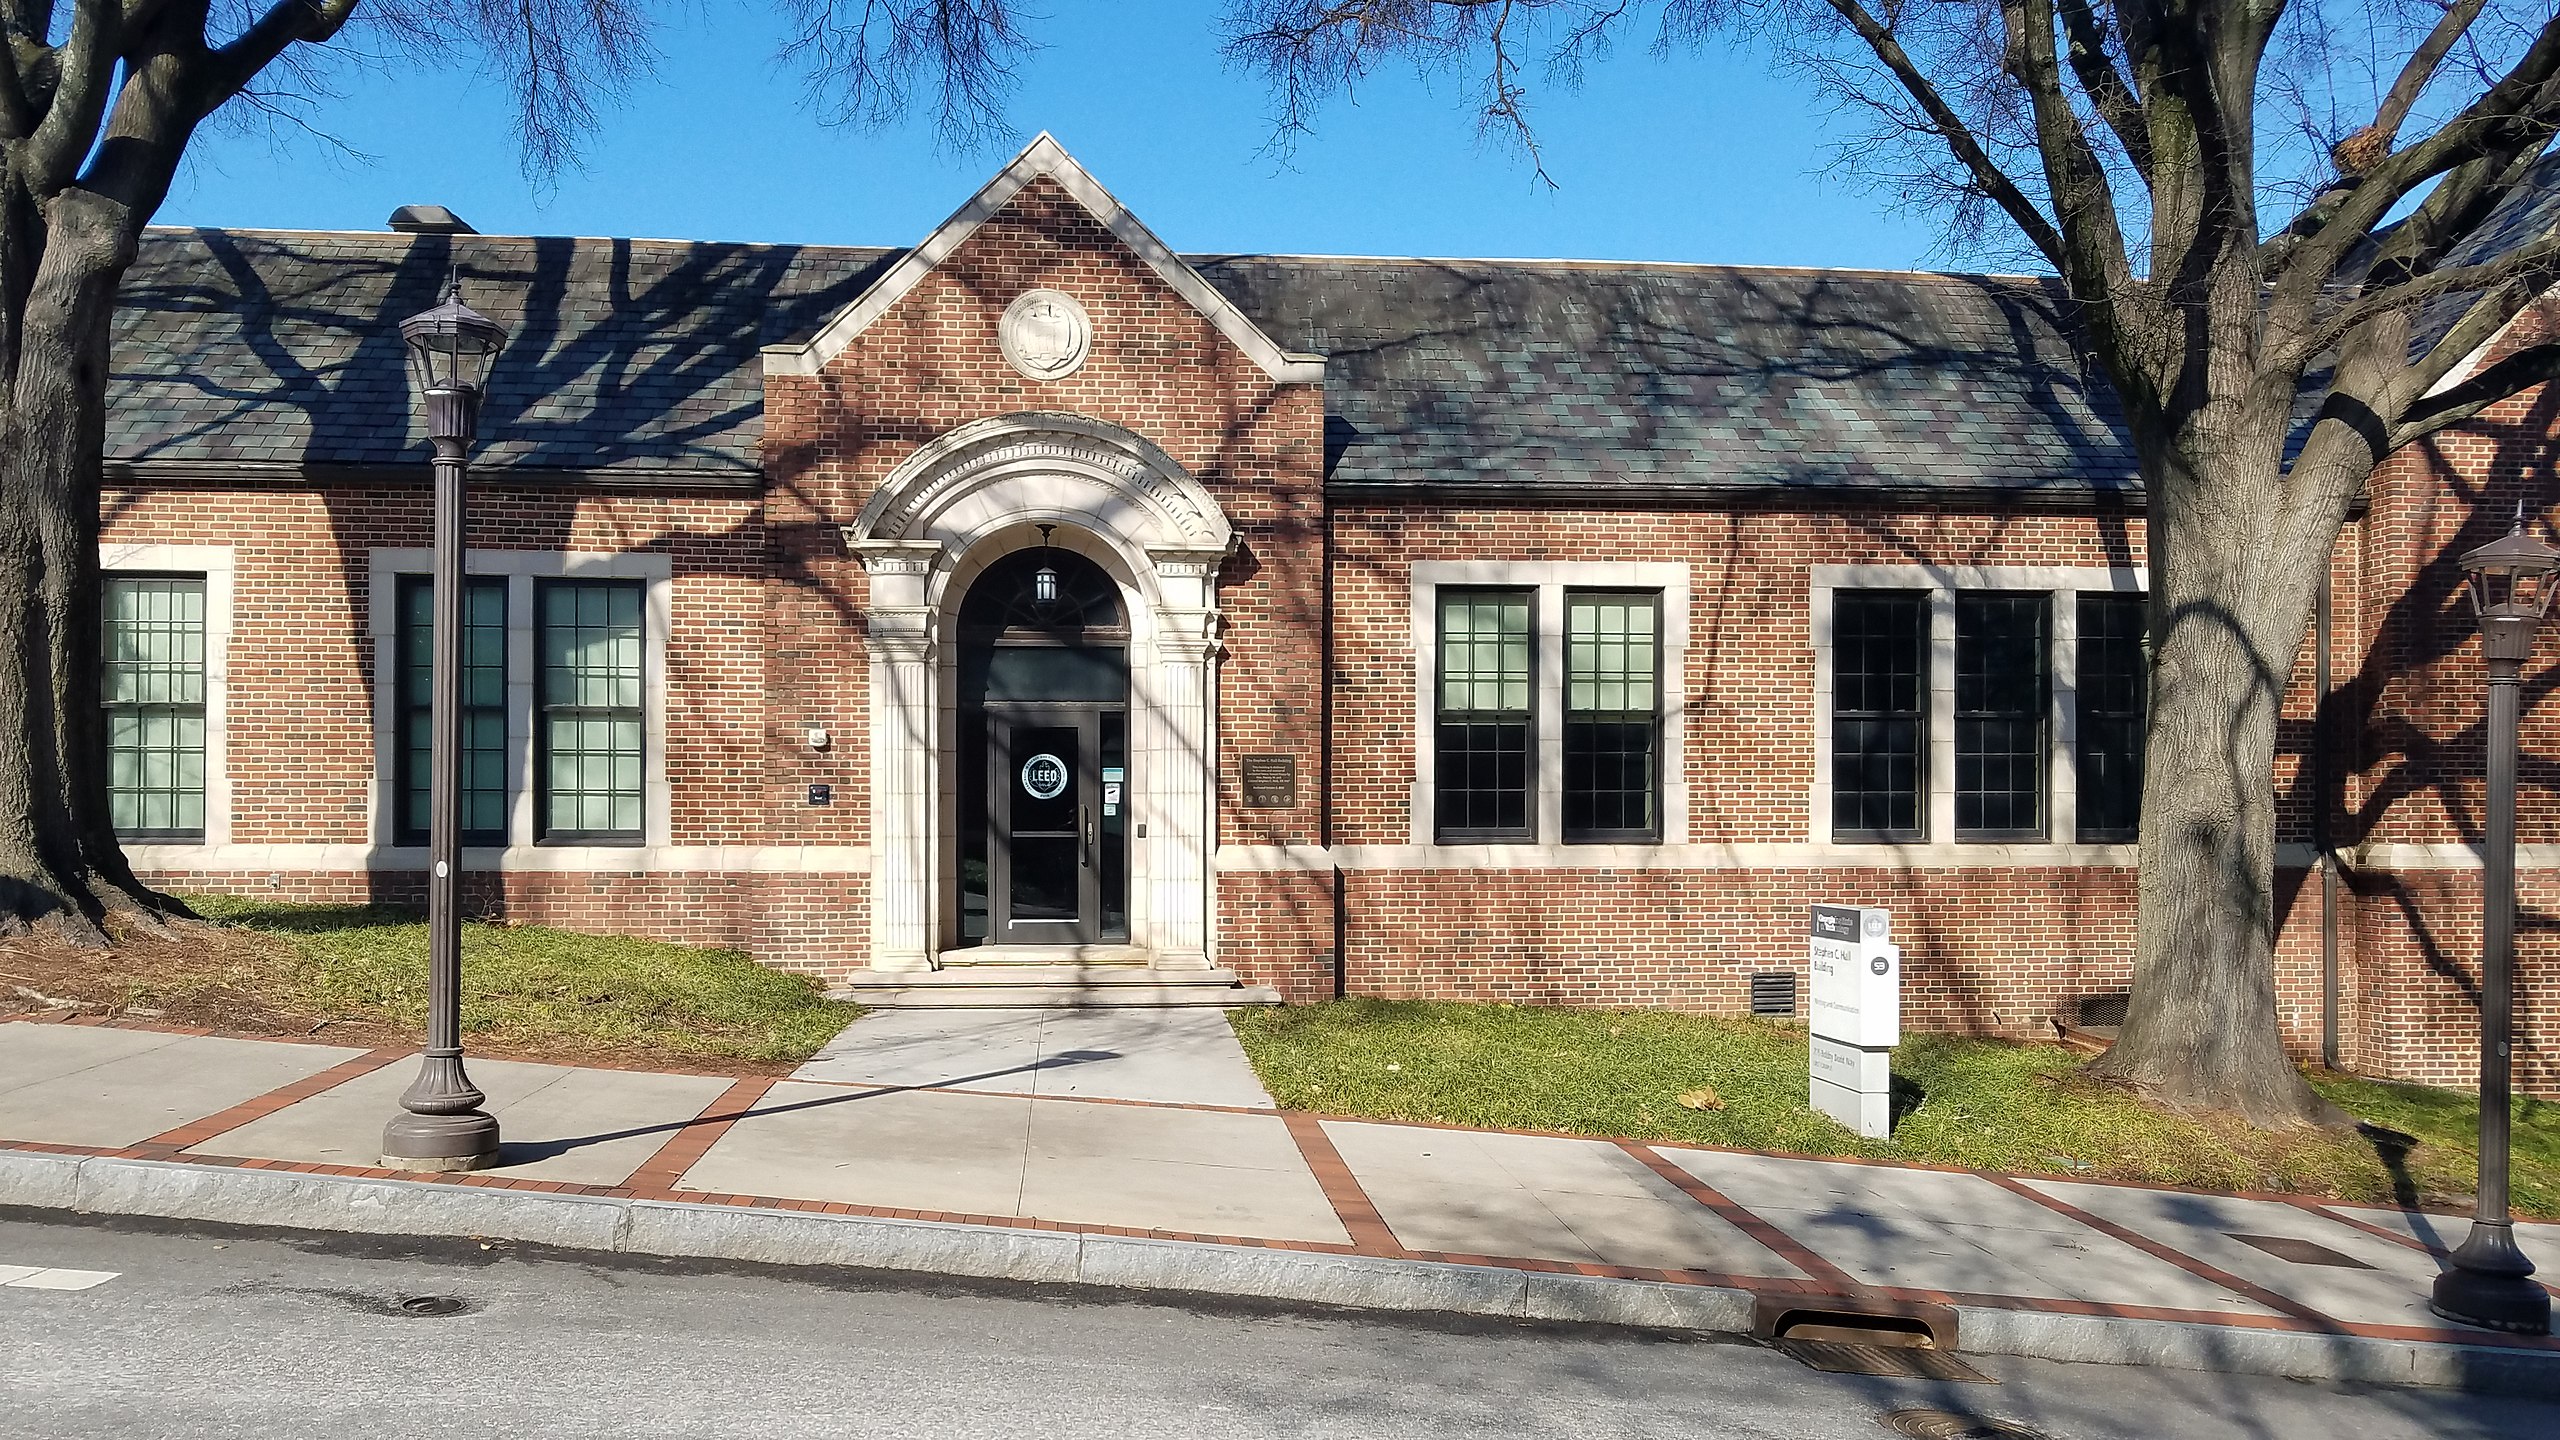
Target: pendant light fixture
x,y
1044,581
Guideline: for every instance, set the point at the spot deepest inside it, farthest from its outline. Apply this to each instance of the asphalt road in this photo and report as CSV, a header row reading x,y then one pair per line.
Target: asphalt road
x,y
216,1332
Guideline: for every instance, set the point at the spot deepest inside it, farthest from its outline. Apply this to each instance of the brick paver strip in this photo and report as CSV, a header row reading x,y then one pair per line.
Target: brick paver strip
x,y
694,1139
1785,1246
2385,1232
259,1107
2212,1274
1351,1204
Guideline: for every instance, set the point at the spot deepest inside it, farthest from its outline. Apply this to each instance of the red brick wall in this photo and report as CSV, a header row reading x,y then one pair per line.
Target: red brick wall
x,y
768,640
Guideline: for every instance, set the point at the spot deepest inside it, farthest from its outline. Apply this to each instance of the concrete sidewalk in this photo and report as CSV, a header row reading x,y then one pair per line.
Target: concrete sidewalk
x,y
1181,1054
1243,1199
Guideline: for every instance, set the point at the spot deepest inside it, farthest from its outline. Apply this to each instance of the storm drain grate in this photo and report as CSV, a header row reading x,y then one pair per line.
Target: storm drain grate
x,y
1900,1362
2300,1252
1954,1425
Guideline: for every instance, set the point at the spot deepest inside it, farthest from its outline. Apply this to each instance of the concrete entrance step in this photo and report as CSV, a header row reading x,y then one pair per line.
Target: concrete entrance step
x,y
1050,987
1011,956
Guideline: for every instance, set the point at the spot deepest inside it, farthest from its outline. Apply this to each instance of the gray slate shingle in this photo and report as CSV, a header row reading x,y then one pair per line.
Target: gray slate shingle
x,y
641,356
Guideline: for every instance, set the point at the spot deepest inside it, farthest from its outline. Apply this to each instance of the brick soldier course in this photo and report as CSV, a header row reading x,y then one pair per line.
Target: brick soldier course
x,y
804,457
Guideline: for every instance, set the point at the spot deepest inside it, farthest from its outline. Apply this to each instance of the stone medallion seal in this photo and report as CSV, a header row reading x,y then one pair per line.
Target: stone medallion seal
x,y
1045,334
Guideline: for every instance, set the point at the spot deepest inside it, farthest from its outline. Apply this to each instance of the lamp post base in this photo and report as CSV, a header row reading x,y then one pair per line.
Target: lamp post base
x,y
2490,1284
441,1126
464,1141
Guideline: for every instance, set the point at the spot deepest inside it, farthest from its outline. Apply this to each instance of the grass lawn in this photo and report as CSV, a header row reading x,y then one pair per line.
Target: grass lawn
x,y
357,975
1987,1105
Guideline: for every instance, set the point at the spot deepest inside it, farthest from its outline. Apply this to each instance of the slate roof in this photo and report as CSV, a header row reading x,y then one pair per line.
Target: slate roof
x,y
637,356
1524,373
640,357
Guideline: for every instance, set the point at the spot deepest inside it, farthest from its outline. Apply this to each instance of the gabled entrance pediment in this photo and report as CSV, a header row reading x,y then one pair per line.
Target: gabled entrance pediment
x,y
1042,157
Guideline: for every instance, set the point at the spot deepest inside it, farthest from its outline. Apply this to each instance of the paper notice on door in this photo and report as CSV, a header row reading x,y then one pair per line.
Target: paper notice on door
x,y
1111,782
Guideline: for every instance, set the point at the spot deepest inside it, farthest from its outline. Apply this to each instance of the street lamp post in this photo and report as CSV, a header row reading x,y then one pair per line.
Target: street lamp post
x,y
2490,1282
441,1125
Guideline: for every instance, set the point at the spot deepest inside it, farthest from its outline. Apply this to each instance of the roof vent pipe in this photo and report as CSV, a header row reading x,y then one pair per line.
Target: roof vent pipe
x,y
429,220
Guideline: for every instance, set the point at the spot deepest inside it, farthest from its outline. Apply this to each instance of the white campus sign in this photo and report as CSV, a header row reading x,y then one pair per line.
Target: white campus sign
x,y
1856,1015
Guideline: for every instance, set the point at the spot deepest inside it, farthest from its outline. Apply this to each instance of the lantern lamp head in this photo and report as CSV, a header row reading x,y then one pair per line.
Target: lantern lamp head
x,y
1044,581
452,346
2511,585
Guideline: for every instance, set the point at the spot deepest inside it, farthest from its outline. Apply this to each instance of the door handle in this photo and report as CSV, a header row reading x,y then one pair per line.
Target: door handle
x,y
1087,832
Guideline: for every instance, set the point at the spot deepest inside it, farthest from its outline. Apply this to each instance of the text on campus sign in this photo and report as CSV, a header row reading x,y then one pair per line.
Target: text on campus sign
x,y
1857,976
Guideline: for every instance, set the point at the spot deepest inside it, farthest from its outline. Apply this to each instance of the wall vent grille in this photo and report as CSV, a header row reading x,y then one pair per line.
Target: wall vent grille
x,y
1773,992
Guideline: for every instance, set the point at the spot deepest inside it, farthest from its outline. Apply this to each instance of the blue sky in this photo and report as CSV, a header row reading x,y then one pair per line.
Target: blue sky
x,y
1701,157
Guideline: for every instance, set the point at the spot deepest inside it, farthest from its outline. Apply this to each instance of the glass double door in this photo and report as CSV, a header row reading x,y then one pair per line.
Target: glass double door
x,y
1057,824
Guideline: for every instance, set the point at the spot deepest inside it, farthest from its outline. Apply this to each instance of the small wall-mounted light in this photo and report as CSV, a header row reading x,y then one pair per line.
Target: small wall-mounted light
x,y
818,739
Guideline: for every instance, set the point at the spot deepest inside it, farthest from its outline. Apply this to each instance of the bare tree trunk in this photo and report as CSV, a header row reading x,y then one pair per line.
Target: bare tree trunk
x,y
2230,604
60,865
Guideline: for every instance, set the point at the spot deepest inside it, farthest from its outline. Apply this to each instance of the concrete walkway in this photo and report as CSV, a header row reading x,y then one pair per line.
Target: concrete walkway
x,y
1184,1056
902,1137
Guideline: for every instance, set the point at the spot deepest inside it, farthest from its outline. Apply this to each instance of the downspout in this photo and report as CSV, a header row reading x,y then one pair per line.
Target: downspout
x,y
2320,836
1324,766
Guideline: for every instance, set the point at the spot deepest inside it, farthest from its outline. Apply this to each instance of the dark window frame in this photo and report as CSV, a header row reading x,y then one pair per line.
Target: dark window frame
x,y
2037,757
202,706
1922,602
2089,724
405,704
1526,832
544,832
1568,717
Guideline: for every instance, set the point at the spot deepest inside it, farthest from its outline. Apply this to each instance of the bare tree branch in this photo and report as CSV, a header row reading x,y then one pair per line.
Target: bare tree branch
x,y
2503,380
866,59
2076,179
1993,182
2517,113
2110,94
85,71
2375,140
2533,264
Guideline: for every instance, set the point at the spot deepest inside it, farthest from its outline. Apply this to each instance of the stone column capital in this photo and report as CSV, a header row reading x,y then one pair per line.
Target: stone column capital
x,y
900,633
894,557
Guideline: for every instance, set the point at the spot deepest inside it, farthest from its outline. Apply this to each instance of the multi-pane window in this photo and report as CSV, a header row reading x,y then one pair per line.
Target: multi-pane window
x,y
155,694
588,696
2112,684
484,709
1879,661
1612,716
2002,651
1485,735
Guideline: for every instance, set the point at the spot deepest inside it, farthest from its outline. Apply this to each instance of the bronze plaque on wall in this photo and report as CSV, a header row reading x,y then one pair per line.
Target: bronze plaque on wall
x,y
1270,781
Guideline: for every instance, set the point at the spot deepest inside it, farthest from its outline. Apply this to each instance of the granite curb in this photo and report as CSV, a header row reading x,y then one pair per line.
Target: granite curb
x,y
174,1190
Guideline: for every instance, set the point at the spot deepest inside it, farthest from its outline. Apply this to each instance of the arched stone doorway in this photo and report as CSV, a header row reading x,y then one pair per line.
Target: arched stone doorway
x,y
959,510
1041,753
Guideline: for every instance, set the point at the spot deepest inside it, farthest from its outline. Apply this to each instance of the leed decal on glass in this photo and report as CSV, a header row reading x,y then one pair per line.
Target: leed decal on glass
x,y
1044,777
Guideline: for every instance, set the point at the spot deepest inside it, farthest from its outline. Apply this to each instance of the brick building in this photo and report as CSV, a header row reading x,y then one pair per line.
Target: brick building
x,y
1547,631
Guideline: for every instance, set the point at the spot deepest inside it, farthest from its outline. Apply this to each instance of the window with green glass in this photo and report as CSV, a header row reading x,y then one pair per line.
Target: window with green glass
x,y
1612,716
588,702
1483,749
155,690
484,709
